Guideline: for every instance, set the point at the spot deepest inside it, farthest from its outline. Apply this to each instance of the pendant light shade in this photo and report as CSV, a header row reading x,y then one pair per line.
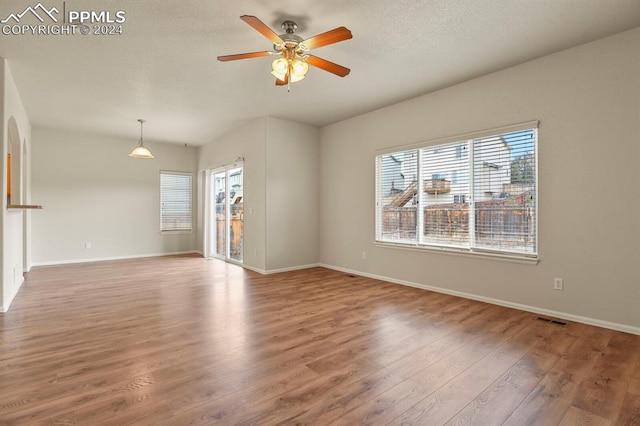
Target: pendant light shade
x,y
141,151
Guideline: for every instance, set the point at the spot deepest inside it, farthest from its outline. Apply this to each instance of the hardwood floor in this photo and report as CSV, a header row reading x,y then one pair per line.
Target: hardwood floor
x,y
184,340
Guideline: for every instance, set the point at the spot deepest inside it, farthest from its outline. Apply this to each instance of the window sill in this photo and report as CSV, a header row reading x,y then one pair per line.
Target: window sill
x,y
515,258
24,206
177,232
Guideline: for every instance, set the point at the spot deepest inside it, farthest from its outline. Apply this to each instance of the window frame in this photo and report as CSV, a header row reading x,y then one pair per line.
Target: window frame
x,y
473,251
191,200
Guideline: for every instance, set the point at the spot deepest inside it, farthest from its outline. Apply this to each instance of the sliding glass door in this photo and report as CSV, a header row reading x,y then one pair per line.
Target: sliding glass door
x,y
228,213
220,213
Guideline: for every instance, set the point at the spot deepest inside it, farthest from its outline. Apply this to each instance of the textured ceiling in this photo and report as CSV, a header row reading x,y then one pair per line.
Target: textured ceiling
x,y
163,67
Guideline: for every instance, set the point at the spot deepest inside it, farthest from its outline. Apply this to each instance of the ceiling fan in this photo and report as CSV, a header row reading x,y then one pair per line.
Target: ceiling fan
x,y
294,60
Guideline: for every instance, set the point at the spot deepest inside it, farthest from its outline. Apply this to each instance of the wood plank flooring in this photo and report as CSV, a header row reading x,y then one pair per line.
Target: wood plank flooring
x,y
183,340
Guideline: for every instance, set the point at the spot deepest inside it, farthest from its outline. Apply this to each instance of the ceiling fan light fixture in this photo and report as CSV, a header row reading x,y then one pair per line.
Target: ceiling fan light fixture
x,y
280,67
281,77
299,68
141,151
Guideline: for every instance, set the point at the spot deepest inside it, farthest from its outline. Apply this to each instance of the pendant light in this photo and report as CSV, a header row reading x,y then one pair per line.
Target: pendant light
x,y
141,151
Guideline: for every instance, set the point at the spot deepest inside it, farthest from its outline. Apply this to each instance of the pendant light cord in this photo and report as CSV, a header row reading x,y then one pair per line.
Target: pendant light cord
x,y
141,123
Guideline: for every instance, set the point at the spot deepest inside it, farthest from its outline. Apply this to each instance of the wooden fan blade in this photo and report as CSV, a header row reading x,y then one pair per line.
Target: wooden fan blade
x,y
262,28
243,56
323,64
282,83
330,37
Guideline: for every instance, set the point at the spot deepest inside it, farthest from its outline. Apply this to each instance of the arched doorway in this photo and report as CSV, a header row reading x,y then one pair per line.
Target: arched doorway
x,y
16,189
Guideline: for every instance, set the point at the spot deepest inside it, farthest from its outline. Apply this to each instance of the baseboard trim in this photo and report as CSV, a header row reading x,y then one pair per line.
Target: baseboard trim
x,y
542,311
253,268
280,270
103,259
6,304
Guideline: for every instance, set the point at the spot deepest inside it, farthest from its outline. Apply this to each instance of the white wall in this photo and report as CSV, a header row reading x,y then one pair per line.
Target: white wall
x,y
92,191
281,182
293,184
13,220
588,102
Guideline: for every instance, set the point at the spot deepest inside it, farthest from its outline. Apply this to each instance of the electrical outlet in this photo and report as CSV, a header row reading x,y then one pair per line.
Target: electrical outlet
x,y
364,255
87,245
255,252
558,284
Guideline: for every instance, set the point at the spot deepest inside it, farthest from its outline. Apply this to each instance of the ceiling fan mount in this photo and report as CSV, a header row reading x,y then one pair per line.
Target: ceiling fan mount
x,y
293,50
291,40
289,27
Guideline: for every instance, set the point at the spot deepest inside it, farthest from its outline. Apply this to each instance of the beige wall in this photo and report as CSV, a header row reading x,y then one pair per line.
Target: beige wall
x,y
92,191
293,179
588,102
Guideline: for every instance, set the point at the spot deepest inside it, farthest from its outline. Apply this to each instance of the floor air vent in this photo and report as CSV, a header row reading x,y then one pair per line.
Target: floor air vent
x,y
552,321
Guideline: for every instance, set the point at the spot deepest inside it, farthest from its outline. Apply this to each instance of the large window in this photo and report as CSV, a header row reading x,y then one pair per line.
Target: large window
x,y
175,201
476,195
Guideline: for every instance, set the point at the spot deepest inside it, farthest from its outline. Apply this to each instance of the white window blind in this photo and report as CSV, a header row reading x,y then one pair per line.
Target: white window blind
x,y
444,215
505,192
477,194
176,201
397,189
